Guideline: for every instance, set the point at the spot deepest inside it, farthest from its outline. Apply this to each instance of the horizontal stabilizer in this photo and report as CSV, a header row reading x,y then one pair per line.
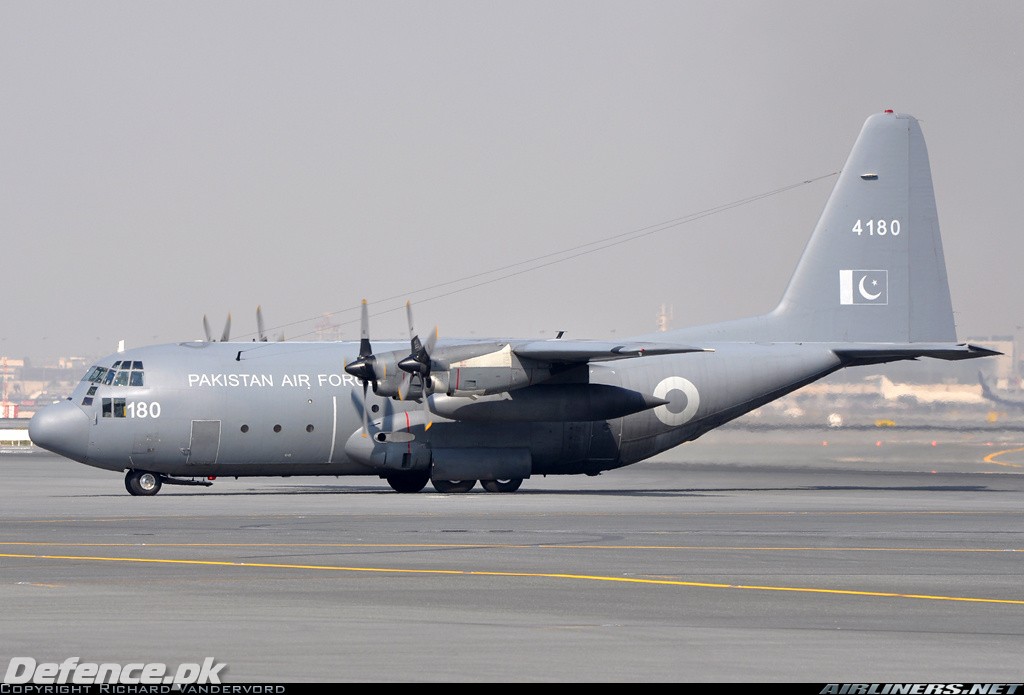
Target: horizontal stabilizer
x,y
867,353
596,351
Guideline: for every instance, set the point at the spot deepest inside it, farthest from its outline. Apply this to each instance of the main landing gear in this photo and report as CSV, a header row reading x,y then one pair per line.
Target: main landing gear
x,y
453,485
408,481
509,485
414,481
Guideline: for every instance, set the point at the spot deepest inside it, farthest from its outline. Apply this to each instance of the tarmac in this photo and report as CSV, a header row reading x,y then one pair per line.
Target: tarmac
x,y
811,556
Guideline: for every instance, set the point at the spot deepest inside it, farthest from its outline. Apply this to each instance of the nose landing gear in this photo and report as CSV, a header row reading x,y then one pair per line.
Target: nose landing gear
x,y
142,483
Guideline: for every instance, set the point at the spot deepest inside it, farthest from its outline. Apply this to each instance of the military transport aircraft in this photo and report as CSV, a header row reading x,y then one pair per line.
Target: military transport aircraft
x,y
870,288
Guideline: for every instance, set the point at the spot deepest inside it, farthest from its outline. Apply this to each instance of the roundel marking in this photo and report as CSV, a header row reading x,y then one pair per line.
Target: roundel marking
x,y
677,383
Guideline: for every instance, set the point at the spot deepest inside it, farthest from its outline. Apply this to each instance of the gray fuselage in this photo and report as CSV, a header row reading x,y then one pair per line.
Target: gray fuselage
x,y
290,409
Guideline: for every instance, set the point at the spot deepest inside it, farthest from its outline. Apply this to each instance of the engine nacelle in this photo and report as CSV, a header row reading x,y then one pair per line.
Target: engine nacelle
x,y
393,443
495,372
480,381
389,380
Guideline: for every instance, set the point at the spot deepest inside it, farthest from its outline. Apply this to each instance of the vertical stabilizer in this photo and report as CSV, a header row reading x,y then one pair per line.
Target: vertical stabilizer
x,y
873,270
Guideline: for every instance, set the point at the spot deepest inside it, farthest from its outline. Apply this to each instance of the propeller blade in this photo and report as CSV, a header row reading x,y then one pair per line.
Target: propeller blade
x,y
408,316
227,330
418,363
259,324
431,341
366,418
364,333
426,405
365,367
403,388
206,329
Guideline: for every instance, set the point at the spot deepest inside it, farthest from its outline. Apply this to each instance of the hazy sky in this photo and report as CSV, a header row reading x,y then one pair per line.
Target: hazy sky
x,y
164,160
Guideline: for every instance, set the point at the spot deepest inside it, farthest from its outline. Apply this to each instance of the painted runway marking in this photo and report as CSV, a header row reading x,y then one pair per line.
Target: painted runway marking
x,y
539,546
529,515
991,458
528,575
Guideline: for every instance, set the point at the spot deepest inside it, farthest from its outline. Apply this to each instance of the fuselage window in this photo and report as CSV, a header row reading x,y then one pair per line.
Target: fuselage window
x,y
136,379
92,390
121,379
109,377
87,400
136,365
113,407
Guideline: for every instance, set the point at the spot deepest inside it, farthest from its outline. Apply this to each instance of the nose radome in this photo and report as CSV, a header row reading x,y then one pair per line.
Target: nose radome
x,y
62,428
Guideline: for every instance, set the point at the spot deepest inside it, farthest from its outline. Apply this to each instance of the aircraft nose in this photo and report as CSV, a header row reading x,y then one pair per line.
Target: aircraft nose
x,y
62,428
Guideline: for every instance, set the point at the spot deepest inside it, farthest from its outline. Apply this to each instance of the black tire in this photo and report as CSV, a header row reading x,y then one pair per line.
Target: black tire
x,y
453,485
509,485
142,483
408,481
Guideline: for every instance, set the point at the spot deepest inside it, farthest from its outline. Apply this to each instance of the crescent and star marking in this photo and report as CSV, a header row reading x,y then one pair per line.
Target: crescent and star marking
x,y
677,383
864,293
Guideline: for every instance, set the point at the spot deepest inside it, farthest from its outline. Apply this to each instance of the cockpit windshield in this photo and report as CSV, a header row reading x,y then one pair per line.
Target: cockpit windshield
x,y
122,373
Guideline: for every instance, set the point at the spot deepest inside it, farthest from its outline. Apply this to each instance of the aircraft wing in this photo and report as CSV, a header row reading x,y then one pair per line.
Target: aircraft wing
x,y
581,351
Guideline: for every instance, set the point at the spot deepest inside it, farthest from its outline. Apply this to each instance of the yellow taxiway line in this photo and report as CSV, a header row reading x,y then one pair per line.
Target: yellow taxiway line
x,y
530,575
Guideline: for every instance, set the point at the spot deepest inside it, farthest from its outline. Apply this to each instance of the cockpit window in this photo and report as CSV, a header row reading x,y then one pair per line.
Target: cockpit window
x,y
95,375
121,373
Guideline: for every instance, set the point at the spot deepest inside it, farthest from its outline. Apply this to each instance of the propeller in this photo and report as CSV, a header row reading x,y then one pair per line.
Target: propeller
x,y
363,367
259,324
224,336
418,362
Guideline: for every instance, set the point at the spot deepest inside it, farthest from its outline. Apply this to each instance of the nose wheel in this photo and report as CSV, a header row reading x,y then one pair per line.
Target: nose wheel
x,y
142,483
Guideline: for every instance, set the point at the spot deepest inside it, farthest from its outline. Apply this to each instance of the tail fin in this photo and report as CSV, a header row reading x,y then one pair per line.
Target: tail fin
x,y
873,270
872,280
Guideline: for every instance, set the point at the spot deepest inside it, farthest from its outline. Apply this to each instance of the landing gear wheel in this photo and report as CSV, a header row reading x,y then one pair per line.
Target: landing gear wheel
x,y
453,485
509,485
408,481
142,483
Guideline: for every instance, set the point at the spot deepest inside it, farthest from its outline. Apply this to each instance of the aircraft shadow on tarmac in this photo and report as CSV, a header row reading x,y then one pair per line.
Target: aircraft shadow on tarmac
x,y
661,492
